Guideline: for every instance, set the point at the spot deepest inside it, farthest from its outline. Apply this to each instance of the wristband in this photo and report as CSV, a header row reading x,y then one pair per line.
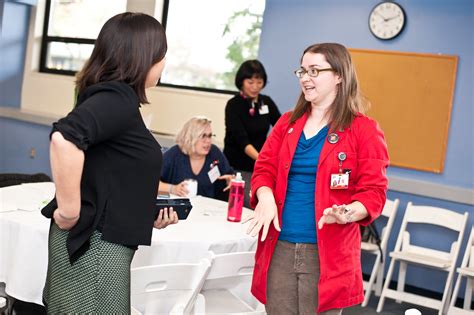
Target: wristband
x,y
170,190
67,218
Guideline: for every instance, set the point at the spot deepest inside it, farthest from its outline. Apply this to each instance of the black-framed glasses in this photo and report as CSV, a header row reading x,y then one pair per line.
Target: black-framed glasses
x,y
207,136
312,72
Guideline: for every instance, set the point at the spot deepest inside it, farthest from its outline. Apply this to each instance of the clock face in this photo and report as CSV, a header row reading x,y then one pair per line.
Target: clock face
x,y
387,20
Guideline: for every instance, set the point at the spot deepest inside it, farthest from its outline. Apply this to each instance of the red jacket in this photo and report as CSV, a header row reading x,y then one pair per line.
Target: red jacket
x,y
340,282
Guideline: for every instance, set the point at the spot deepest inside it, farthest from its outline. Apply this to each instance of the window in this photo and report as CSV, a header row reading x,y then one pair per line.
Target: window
x,y
207,39
70,30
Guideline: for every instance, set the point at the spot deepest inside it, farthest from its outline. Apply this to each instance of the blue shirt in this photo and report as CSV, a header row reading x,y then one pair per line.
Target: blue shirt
x,y
177,167
299,220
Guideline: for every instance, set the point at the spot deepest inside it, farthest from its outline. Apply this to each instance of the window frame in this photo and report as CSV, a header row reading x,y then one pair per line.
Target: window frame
x,y
46,40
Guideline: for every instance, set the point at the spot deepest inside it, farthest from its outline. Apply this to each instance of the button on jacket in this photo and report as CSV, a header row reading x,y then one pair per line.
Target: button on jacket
x,y
340,282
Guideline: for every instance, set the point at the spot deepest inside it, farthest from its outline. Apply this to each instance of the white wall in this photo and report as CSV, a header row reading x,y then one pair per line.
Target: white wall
x,y
169,108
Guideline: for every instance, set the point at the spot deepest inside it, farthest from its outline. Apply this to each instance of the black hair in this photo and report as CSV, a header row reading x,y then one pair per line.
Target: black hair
x,y
128,45
249,69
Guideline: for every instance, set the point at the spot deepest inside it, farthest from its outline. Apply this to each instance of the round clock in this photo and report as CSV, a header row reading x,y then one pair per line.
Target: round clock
x,y
387,20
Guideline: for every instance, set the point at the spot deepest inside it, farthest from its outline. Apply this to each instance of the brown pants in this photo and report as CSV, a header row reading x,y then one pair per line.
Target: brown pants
x,y
292,283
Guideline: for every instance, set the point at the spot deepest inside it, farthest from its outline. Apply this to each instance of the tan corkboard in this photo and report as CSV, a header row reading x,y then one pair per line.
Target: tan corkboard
x,y
411,96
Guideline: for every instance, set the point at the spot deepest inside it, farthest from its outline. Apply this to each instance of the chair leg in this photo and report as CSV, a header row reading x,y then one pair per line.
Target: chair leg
x,y
447,293
402,273
456,291
379,283
385,286
370,284
468,294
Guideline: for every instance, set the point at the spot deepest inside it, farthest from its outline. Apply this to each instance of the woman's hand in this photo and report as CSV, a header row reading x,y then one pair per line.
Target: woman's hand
x,y
336,214
181,189
265,213
63,221
165,218
228,179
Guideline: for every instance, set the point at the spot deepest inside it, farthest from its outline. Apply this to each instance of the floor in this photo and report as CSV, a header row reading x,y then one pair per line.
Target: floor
x,y
390,308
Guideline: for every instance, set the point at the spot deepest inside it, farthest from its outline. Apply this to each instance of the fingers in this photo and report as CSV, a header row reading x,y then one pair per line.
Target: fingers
x,y
276,223
165,218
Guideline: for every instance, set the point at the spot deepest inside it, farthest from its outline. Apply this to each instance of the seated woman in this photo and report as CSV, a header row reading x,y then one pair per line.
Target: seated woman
x,y
195,157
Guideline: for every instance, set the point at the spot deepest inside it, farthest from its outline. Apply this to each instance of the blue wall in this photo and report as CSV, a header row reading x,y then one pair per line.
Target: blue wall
x,y
13,40
16,140
433,26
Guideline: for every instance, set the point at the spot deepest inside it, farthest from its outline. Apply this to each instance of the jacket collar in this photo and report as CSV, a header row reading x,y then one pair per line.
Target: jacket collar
x,y
294,134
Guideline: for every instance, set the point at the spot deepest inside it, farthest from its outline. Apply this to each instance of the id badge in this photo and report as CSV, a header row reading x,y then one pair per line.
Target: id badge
x,y
263,110
339,181
214,173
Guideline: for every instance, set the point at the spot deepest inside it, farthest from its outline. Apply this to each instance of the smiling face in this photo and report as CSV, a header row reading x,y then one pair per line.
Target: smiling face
x,y
204,142
251,87
321,90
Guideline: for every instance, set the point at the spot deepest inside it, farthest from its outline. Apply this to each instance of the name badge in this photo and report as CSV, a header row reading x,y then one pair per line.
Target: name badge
x,y
263,110
214,173
339,181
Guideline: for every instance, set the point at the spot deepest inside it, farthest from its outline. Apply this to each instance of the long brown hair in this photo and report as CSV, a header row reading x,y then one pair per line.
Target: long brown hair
x,y
349,100
128,45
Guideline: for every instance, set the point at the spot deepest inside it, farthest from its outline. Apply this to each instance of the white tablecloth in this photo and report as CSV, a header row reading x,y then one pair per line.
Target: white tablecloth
x,y
24,239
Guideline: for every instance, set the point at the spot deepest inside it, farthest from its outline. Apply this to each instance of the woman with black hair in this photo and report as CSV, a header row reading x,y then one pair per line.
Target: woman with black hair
x,y
248,117
106,167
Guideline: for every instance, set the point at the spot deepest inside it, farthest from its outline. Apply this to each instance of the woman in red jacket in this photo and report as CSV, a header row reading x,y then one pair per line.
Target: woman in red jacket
x,y
321,173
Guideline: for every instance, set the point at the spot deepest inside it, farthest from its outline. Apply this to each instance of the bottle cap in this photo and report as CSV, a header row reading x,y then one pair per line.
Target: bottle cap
x,y
238,176
412,311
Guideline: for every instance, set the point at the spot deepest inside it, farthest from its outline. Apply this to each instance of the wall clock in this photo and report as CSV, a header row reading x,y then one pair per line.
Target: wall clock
x,y
387,20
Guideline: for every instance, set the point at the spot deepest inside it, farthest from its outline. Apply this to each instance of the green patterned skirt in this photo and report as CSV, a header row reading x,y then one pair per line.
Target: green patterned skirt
x,y
97,283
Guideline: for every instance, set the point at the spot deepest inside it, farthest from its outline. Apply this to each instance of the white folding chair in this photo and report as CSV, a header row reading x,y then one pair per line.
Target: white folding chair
x,y
466,270
168,289
406,253
227,287
389,211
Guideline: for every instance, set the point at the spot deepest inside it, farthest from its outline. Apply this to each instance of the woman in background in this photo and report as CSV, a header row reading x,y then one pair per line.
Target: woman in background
x,y
195,157
248,117
106,167
324,163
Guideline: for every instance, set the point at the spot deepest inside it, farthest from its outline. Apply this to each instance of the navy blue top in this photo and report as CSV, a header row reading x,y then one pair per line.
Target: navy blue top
x,y
299,220
177,167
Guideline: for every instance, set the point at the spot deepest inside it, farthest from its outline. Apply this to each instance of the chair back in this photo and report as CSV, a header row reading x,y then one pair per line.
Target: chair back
x,y
432,216
170,288
233,272
390,212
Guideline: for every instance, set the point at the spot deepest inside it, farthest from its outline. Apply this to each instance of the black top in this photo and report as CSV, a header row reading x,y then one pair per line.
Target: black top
x,y
243,128
121,168
177,167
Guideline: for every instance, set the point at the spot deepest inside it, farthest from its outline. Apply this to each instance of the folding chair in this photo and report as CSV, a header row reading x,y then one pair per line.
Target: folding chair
x,y
406,253
168,289
389,211
227,287
466,270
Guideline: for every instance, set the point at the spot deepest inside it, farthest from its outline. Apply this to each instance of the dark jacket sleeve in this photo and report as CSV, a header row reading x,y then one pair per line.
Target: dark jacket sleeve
x,y
167,170
234,122
101,117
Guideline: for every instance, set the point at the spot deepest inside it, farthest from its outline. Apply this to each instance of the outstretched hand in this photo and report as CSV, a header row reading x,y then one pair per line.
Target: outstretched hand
x,y
336,214
265,213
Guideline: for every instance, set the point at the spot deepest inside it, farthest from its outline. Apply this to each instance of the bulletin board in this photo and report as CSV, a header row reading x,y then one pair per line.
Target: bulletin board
x,y
411,96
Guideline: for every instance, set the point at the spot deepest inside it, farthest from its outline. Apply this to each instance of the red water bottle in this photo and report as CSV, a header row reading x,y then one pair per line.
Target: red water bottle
x,y
236,199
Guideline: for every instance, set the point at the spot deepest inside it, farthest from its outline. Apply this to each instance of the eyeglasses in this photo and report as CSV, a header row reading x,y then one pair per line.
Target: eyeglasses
x,y
312,72
207,136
